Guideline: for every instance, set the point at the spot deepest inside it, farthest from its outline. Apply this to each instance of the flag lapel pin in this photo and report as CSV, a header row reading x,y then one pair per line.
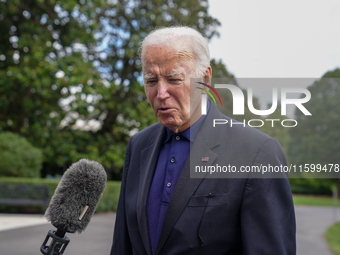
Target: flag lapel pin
x,y
205,159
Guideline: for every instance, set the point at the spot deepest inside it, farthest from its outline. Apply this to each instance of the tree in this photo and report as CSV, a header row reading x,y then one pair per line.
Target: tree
x,y
47,72
67,64
315,139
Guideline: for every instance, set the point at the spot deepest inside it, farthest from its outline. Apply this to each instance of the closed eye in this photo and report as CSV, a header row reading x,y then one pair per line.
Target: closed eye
x,y
151,82
175,80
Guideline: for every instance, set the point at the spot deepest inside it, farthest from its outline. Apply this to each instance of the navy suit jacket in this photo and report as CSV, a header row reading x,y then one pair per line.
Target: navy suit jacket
x,y
208,215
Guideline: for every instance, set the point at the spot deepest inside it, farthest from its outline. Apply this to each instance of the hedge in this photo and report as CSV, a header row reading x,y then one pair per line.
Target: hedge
x,y
311,186
18,157
108,202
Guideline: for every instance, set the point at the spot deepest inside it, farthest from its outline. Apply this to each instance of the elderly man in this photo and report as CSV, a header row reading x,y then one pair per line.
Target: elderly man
x,y
162,210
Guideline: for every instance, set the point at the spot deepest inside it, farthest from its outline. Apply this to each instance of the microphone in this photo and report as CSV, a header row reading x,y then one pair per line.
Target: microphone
x,y
73,203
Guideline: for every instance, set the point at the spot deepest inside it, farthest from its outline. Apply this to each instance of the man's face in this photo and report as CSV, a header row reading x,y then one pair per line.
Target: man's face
x,y
167,71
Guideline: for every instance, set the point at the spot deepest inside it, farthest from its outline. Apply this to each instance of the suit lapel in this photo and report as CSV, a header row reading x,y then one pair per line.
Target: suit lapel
x,y
187,186
148,162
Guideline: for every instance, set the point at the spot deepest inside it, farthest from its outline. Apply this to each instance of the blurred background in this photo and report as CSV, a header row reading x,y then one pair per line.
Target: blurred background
x,y
71,82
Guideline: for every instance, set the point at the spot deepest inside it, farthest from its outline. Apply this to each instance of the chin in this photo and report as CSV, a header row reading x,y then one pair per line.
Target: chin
x,y
168,124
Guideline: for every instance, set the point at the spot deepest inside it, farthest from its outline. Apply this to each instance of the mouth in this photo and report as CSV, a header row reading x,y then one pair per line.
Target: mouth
x,y
165,109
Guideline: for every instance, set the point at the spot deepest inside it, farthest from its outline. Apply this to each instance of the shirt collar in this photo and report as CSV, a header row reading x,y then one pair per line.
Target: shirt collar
x,y
189,133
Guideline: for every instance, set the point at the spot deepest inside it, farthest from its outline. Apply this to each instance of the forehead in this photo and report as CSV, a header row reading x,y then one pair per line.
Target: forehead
x,y
180,50
167,57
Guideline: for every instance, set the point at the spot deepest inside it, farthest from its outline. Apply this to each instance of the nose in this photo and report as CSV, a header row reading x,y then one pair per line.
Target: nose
x,y
163,92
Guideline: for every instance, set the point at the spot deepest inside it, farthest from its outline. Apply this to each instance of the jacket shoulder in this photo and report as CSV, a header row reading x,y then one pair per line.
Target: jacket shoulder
x,y
144,136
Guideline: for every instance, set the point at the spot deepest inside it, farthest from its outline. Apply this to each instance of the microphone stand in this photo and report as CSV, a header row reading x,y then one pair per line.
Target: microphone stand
x,y
58,244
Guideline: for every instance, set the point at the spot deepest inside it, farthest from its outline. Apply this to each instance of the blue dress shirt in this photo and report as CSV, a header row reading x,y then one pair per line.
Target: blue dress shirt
x,y
173,154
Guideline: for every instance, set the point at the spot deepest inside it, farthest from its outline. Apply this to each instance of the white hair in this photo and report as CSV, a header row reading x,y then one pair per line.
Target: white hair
x,y
169,35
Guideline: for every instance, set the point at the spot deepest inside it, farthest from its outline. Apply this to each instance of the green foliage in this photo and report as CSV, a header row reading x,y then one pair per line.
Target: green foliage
x,y
219,70
333,238
311,186
67,64
108,202
18,158
45,70
315,139
314,201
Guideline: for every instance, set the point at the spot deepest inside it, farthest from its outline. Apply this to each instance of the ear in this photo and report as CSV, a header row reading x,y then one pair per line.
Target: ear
x,y
207,75
208,72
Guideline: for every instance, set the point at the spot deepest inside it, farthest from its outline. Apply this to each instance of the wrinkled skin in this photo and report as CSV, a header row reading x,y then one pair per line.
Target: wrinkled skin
x,y
167,71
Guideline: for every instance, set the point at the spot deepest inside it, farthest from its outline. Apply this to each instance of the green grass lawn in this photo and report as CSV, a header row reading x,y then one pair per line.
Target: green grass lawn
x,y
314,200
333,238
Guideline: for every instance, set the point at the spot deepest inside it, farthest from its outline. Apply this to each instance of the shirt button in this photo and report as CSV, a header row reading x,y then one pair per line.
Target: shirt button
x,y
178,137
169,184
172,160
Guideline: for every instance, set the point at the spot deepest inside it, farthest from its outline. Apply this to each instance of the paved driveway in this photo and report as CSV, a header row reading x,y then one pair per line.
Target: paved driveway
x,y
97,238
311,225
